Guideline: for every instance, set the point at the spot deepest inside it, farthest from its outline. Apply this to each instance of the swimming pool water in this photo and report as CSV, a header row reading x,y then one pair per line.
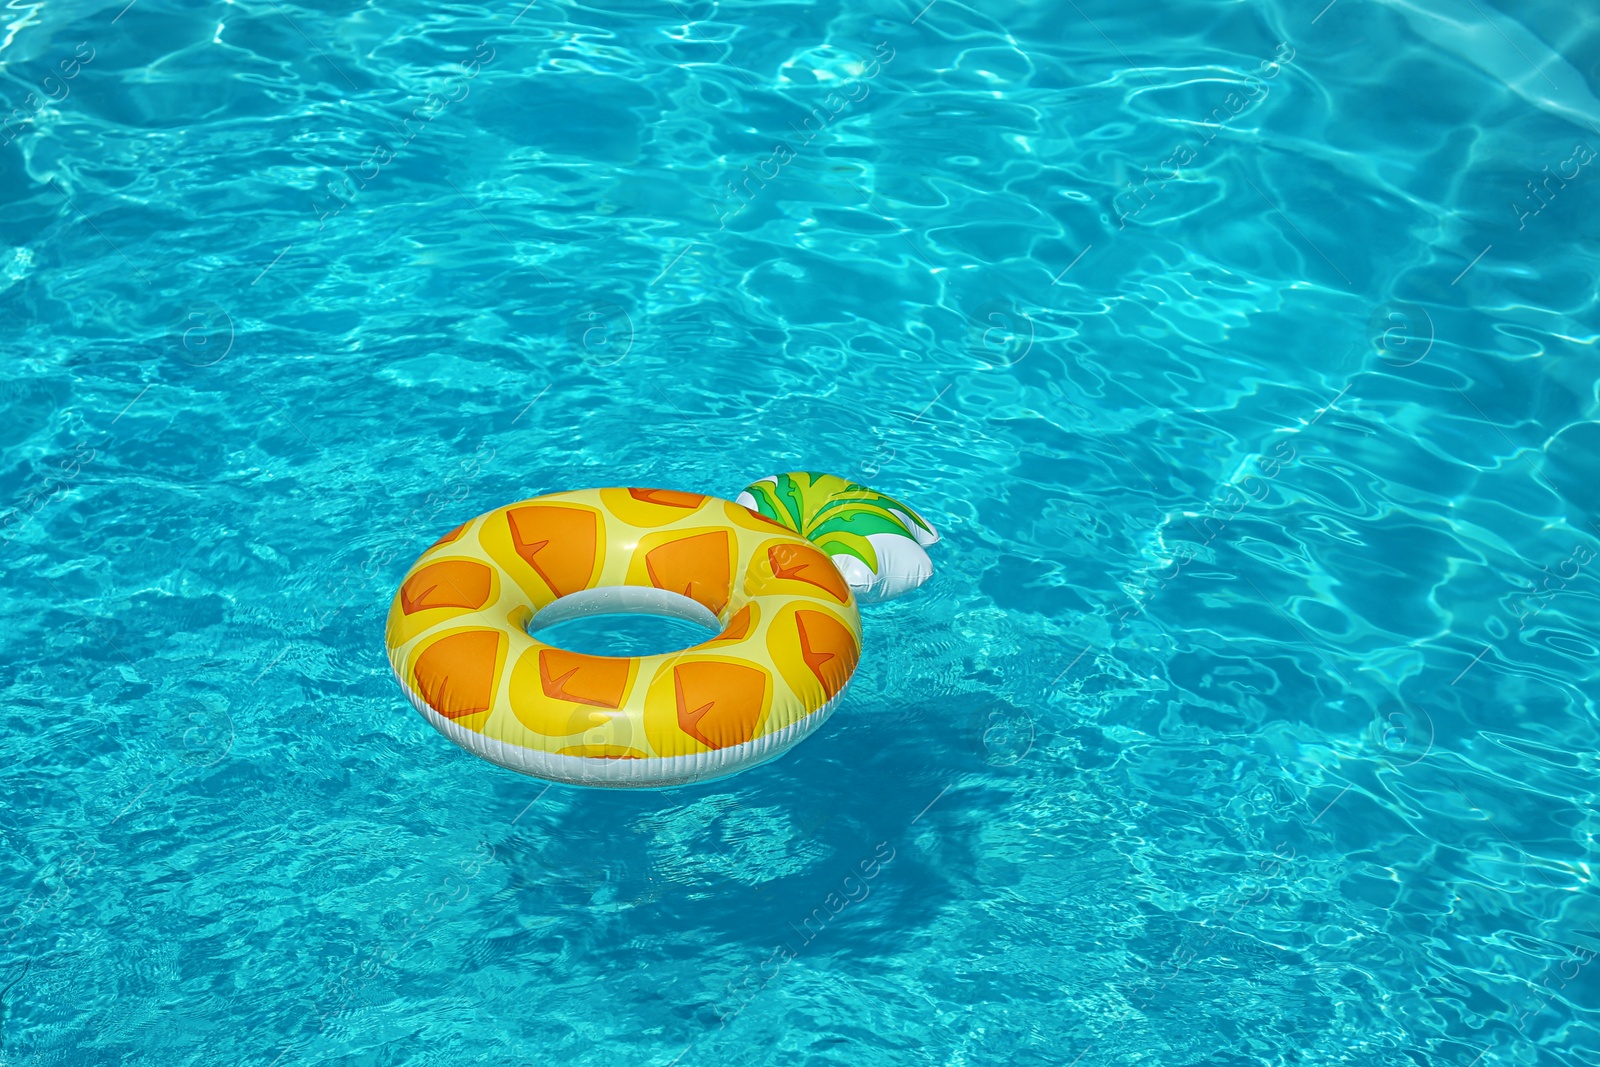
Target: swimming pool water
x,y
1243,354
625,634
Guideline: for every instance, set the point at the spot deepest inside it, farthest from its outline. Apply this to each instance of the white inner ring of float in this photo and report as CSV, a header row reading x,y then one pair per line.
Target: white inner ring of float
x,y
625,600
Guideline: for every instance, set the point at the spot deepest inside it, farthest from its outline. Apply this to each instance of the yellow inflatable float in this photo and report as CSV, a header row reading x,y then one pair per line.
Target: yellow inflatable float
x,y
777,574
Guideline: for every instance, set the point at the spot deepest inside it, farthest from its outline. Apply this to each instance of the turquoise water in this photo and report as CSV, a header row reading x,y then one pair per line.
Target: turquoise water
x,y
1243,353
625,635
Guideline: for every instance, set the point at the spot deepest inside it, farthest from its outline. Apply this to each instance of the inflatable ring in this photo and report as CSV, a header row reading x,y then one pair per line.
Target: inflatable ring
x,y
776,574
